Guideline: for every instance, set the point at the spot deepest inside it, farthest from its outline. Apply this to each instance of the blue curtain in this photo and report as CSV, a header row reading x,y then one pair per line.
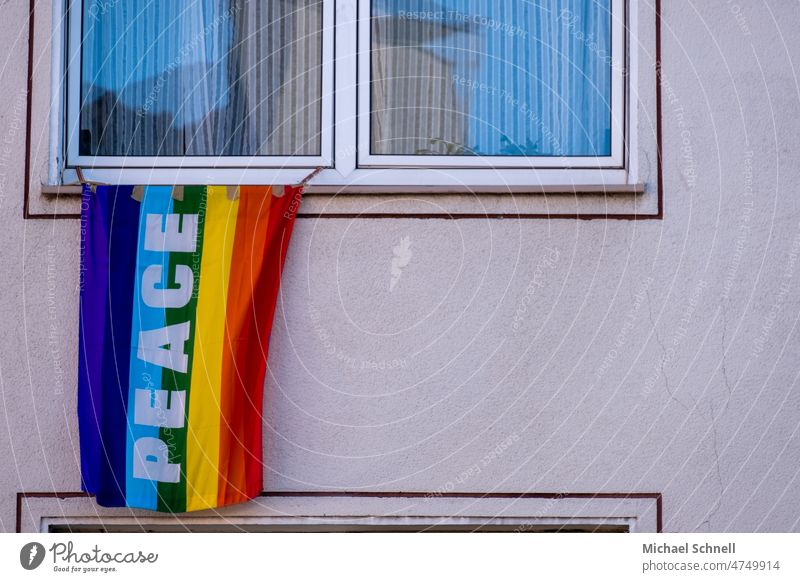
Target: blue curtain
x,y
480,77
201,77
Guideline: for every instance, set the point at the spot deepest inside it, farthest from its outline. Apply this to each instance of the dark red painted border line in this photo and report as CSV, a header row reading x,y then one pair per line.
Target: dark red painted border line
x,y
27,183
659,149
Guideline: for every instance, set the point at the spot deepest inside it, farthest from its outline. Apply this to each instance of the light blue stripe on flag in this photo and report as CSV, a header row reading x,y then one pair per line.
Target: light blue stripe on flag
x,y
157,200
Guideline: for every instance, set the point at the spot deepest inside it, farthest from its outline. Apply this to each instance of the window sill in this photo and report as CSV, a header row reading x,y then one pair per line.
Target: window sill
x,y
635,191
571,189
639,201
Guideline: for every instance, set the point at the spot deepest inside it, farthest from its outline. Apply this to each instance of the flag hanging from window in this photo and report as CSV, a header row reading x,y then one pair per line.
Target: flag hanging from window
x,y
178,293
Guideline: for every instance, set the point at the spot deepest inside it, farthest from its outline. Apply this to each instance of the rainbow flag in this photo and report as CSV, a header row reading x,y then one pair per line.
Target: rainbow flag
x,y
178,292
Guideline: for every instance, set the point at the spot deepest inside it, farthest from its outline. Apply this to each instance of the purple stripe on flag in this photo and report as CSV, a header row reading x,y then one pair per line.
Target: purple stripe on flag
x,y
91,328
120,216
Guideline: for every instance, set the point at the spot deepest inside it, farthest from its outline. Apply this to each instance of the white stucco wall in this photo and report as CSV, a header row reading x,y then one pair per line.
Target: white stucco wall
x,y
603,356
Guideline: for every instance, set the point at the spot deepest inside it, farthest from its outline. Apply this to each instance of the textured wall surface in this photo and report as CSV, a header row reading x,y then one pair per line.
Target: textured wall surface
x,y
600,356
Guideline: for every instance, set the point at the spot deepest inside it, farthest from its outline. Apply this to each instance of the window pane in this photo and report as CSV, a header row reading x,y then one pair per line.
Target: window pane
x,y
201,78
488,78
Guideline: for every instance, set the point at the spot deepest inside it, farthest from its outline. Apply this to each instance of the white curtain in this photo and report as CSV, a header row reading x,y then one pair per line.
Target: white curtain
x,y
201,78
480,77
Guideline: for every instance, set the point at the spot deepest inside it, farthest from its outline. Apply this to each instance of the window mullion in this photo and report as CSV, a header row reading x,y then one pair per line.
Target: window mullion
x,y
345,97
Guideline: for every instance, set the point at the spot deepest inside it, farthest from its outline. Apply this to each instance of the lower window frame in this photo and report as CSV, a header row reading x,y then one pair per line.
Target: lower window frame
x,y
347,168
314,511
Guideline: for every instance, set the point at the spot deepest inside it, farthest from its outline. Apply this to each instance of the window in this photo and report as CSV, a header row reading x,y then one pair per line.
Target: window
x,y
337,511
351,525
200,83
377,92
487,84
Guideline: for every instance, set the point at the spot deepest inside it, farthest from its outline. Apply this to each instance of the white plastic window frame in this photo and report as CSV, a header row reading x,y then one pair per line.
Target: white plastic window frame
x,y
74,158
345,156
613,161
638,514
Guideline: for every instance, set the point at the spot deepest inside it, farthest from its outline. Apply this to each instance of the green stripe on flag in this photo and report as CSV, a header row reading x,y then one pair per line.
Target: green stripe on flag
x,y
172,496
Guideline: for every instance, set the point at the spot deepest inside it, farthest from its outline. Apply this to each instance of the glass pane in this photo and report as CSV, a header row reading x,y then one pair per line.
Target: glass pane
x,y
488,78
201,78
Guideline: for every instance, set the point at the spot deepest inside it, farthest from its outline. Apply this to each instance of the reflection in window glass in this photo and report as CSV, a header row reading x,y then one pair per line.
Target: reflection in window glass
x,y
201,78
487,78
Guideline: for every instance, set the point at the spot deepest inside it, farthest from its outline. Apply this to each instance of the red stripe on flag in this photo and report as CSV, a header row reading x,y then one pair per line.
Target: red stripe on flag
x,y
281,221
243,361
263,229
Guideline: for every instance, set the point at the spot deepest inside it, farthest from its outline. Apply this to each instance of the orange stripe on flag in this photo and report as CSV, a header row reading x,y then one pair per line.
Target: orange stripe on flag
x,y
244,360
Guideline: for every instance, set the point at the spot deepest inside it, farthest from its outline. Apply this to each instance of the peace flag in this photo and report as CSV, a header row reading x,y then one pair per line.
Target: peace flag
x,y
178,292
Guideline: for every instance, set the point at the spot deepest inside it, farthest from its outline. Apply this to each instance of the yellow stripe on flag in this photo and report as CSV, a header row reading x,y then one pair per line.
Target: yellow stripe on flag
x,y
202,446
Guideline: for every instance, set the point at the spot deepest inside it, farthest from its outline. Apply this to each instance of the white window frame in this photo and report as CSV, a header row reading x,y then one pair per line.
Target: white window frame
x,y
75,23
323,524
613,161
345,158
638,515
